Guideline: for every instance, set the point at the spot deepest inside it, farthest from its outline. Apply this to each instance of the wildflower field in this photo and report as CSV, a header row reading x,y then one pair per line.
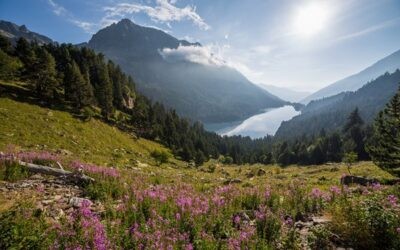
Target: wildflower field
x,y
138,203
166,207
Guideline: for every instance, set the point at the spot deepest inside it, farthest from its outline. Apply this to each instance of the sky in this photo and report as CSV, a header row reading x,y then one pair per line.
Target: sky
x,y
299,44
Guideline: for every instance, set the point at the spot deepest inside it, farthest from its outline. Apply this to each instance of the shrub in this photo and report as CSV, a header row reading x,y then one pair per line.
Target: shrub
x,y
12,171
160,156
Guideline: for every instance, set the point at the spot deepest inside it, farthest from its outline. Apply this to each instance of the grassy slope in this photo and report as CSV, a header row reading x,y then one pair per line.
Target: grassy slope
x,y
34,127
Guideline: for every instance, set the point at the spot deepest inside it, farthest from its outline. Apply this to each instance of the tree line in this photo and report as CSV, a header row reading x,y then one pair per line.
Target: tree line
x,y
89,84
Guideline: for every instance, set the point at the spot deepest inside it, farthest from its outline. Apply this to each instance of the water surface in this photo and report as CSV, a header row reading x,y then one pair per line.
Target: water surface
x,y
260,125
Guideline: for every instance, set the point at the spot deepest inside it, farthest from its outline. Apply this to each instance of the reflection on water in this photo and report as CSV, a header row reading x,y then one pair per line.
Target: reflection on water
x,y
260,125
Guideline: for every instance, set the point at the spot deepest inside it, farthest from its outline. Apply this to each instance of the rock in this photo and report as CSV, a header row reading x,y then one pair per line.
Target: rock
x,y
25,185
351,179
47,202
250,174
261,172
63,152
320,220
232,181
36,177
300,224
77,201
57,197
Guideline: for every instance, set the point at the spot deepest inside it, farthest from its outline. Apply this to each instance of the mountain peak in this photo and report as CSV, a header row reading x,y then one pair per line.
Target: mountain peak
x,y
14,32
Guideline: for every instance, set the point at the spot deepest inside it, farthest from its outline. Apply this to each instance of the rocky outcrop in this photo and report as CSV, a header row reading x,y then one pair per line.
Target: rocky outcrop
x,y
351,179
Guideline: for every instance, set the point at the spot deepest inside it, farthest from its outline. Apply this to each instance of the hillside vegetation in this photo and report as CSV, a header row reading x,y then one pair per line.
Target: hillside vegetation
x,y
34,127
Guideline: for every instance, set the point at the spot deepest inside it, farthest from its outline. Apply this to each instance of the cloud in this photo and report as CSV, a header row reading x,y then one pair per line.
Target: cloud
x,y
163,12
86,26
57,9
195,54
371,29
62,12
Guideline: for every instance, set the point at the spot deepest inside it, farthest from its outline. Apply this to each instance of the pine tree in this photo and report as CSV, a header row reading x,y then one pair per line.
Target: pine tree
x,y
45,75
354,135
385,144
104,89
80,91
5,45
9,66
26,53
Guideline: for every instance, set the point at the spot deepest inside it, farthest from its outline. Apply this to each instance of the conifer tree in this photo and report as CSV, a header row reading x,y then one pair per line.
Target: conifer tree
x,y
385,144
354,135
45,75
26,53
104,90
80,91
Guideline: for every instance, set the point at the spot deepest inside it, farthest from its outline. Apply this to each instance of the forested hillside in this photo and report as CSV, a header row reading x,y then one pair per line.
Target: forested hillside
x,y
331,113
200,87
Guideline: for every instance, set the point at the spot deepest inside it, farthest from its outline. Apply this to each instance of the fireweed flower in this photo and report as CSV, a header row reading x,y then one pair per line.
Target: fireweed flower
x,y
376,186
94,169
316,193
335,190
392,199
236,220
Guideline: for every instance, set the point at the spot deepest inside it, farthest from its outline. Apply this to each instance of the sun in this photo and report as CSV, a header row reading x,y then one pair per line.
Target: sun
x,y
311,19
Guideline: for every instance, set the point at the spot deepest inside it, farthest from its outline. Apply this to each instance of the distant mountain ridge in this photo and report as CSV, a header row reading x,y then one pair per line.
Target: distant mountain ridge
x,y
331,113
14,32
356,81
285,93
201,92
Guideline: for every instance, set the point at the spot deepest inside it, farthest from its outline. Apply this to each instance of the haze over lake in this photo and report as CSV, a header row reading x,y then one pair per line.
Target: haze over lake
x,y
263,124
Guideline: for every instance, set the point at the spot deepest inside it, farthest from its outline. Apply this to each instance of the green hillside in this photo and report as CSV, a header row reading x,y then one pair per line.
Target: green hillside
x,y
34,127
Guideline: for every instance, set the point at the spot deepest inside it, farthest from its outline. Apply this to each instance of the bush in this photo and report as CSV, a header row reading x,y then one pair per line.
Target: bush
x,y
22,228
12,171
160,156
367,222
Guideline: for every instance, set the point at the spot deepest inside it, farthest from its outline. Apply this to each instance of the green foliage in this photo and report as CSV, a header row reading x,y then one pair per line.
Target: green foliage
x,y
104,189
367,222
350,158
77,88
160,156
45,75
354,135
9,66
23,228
12,171
384,146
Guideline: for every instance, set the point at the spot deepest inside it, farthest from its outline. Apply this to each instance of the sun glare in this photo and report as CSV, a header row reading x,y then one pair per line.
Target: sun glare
x,y
310,19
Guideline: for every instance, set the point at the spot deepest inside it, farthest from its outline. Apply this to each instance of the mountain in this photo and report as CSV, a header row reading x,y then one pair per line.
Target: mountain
x,y
331,113
285,93
204,91
14,32
354,82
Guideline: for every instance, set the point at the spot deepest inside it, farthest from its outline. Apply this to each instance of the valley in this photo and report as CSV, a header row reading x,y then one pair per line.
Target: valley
x,y
191,125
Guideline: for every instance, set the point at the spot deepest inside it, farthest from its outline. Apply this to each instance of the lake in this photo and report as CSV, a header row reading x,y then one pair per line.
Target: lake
x,y
257,126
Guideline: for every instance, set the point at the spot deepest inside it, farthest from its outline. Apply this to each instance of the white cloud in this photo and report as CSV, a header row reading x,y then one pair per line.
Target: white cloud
x,y
86,26
61,11
57,9
163,12
368,30
210,55
195,54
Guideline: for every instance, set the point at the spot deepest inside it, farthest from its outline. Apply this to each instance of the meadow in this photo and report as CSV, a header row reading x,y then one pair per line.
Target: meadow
x,y
139,203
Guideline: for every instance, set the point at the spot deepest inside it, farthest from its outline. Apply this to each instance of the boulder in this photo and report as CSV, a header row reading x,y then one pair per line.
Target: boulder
x,y
351,179
261,172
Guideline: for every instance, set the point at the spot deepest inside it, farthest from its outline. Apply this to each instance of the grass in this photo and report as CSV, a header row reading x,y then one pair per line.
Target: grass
x,y
36,128
153,205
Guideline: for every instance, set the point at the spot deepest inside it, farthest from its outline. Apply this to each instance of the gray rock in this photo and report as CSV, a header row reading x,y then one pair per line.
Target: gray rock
x,y
351,179
77,201
261,172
